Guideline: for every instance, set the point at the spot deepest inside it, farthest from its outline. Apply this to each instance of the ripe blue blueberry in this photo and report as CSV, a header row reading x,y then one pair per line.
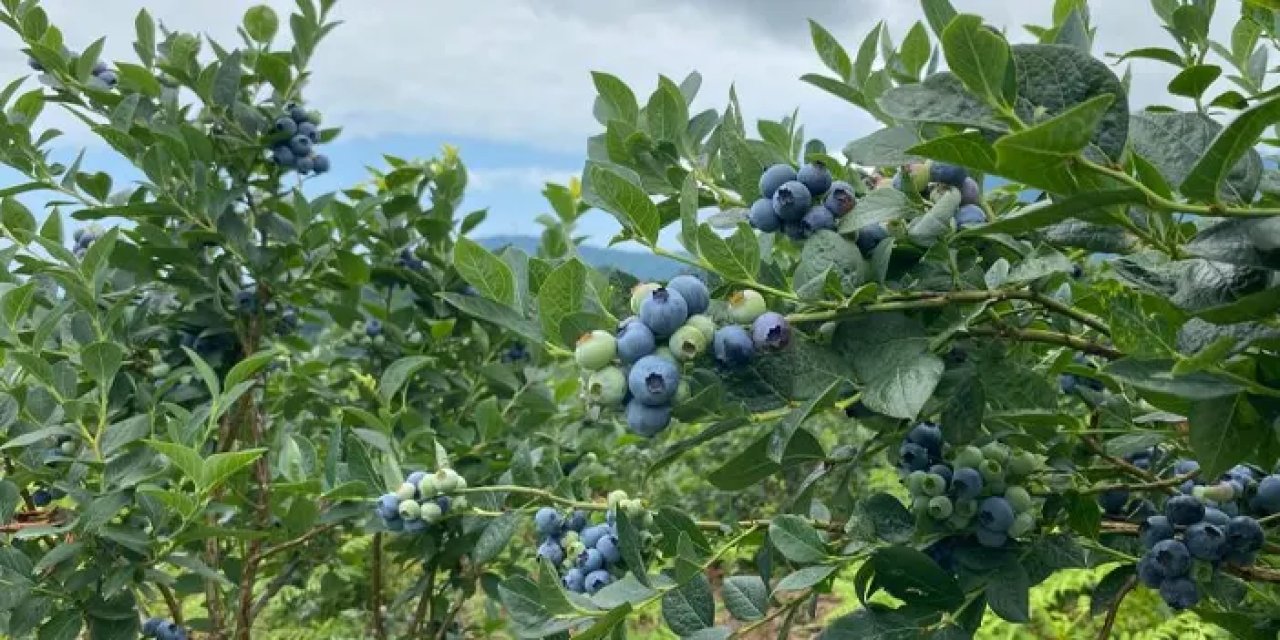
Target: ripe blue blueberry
x,y
1244,534
763,217
298,114
1184,467
995,514
818,219
1172,556
41,498
948,174
1216,516
596,580
591,560
870,236
1206,541
591,535
912,457
733,346
444,502
1149,572
305,165
815,177
1154,530
841,200
792,201
653,380
694,291
574,580
645,420
1067,383
577,521
283,155
285,127
373,328
1180,593
551,551
247,300
34,64
966,482
309,130
320,164
988,538
547,521
969,192
608,547
969,215
108,77
774,177
927,435
770,332
942,470
1184,510
1267,498
151,626
663,311
635,341
1113,501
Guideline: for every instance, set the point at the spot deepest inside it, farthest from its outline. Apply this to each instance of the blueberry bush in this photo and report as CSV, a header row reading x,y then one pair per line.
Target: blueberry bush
x,y
1006,367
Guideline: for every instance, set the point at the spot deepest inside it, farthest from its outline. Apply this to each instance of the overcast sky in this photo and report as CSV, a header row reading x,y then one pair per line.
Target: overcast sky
x,y
508,80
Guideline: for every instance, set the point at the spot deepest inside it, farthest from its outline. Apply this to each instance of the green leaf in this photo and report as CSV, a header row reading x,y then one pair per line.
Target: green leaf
x,y
1226,430
805,578
1192,81
830,52
119,434
15,302
226,82
561,296
675,524
827,250
1041,156
206,373
616,101
1007,592
520,598
881,205
1088,205
890,353
884,148
605,188
1204,180
1156,376
666,115
494,538
914,53
1053,79
912,576
101,361
606,625
736,257
690,607
689,213
1252,242
10,498
746,597
941,98
218,467
499,314
398,373
354,268
796,539
631,546
787,426
978,56
484,271
261,23
968,149
186,459
244,369
17,219
1173,143
939,13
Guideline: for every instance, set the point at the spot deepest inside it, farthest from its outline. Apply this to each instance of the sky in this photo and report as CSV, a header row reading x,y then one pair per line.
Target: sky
x,y
508,81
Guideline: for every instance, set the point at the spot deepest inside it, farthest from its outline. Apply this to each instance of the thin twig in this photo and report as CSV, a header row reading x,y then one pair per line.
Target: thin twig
x,y
275,586
379,631
1115,607
171,601
1048,337
423,611
1124,465
1167,483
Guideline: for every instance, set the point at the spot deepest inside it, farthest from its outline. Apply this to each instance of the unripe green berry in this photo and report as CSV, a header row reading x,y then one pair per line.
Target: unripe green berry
x,y
639,293
410,510
997,451
1023,463
991,471
379,341
969,456
460,484
427,486
159,370
607,386
406,491
996,487
595,350
446,480
432,513
1018,498
687,343
959,521
459,504
915,482
568,538
573,549
920,504
703,323
633,508
616,497
940,508
1023,524
1221,492
966,508
665,353
746,305
933,485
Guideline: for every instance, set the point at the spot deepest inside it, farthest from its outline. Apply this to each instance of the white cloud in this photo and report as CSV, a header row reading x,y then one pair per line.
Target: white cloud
x,y
531,177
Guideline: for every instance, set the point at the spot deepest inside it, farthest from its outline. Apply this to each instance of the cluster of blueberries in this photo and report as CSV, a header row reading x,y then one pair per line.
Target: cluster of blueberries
x,y
1070,382
927,179
799,203
1242,490
162,629
101,78
422,500
671,327
590,554
980,490
295,134
82,238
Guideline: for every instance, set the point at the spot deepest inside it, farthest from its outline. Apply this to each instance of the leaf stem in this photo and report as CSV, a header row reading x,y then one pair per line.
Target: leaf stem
x,y
1156,201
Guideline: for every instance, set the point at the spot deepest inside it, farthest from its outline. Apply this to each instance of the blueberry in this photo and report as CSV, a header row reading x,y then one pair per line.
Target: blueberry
x,y
694,291
300,145
995,514
1184,510
285,127
989,538
1216,516
841,200
151,626
547,521
409,526
966,483
818,219
1019,498
1180,593
573,580
1244,534
607,386
795,229
948,174
969,215
373,328
792,201
298,114
663,311
309,130
942,470
1155,529
1067,383
640,293
595,350
645,420
912,457
770,332
970,193
591,535
410,510
608,547
687,343
870,236
591,560
1206,541
320,164
1267,498
108,78
653,380
1023,524
41,498
444,502
968,456
1113,501
577,521
1172,556
705,324
283,156
733,346
940,507
746,305
304,165
34,64
1185,467
596,580
635,340
927,435
774,177
763,217
1149,572
991,471
551,551
815,177
933,485
919,174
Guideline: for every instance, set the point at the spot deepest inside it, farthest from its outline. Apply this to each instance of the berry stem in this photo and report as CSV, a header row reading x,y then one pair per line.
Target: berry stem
x,y
1142,486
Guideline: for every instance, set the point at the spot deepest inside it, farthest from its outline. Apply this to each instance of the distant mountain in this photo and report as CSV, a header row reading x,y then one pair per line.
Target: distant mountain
x,y
644,266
